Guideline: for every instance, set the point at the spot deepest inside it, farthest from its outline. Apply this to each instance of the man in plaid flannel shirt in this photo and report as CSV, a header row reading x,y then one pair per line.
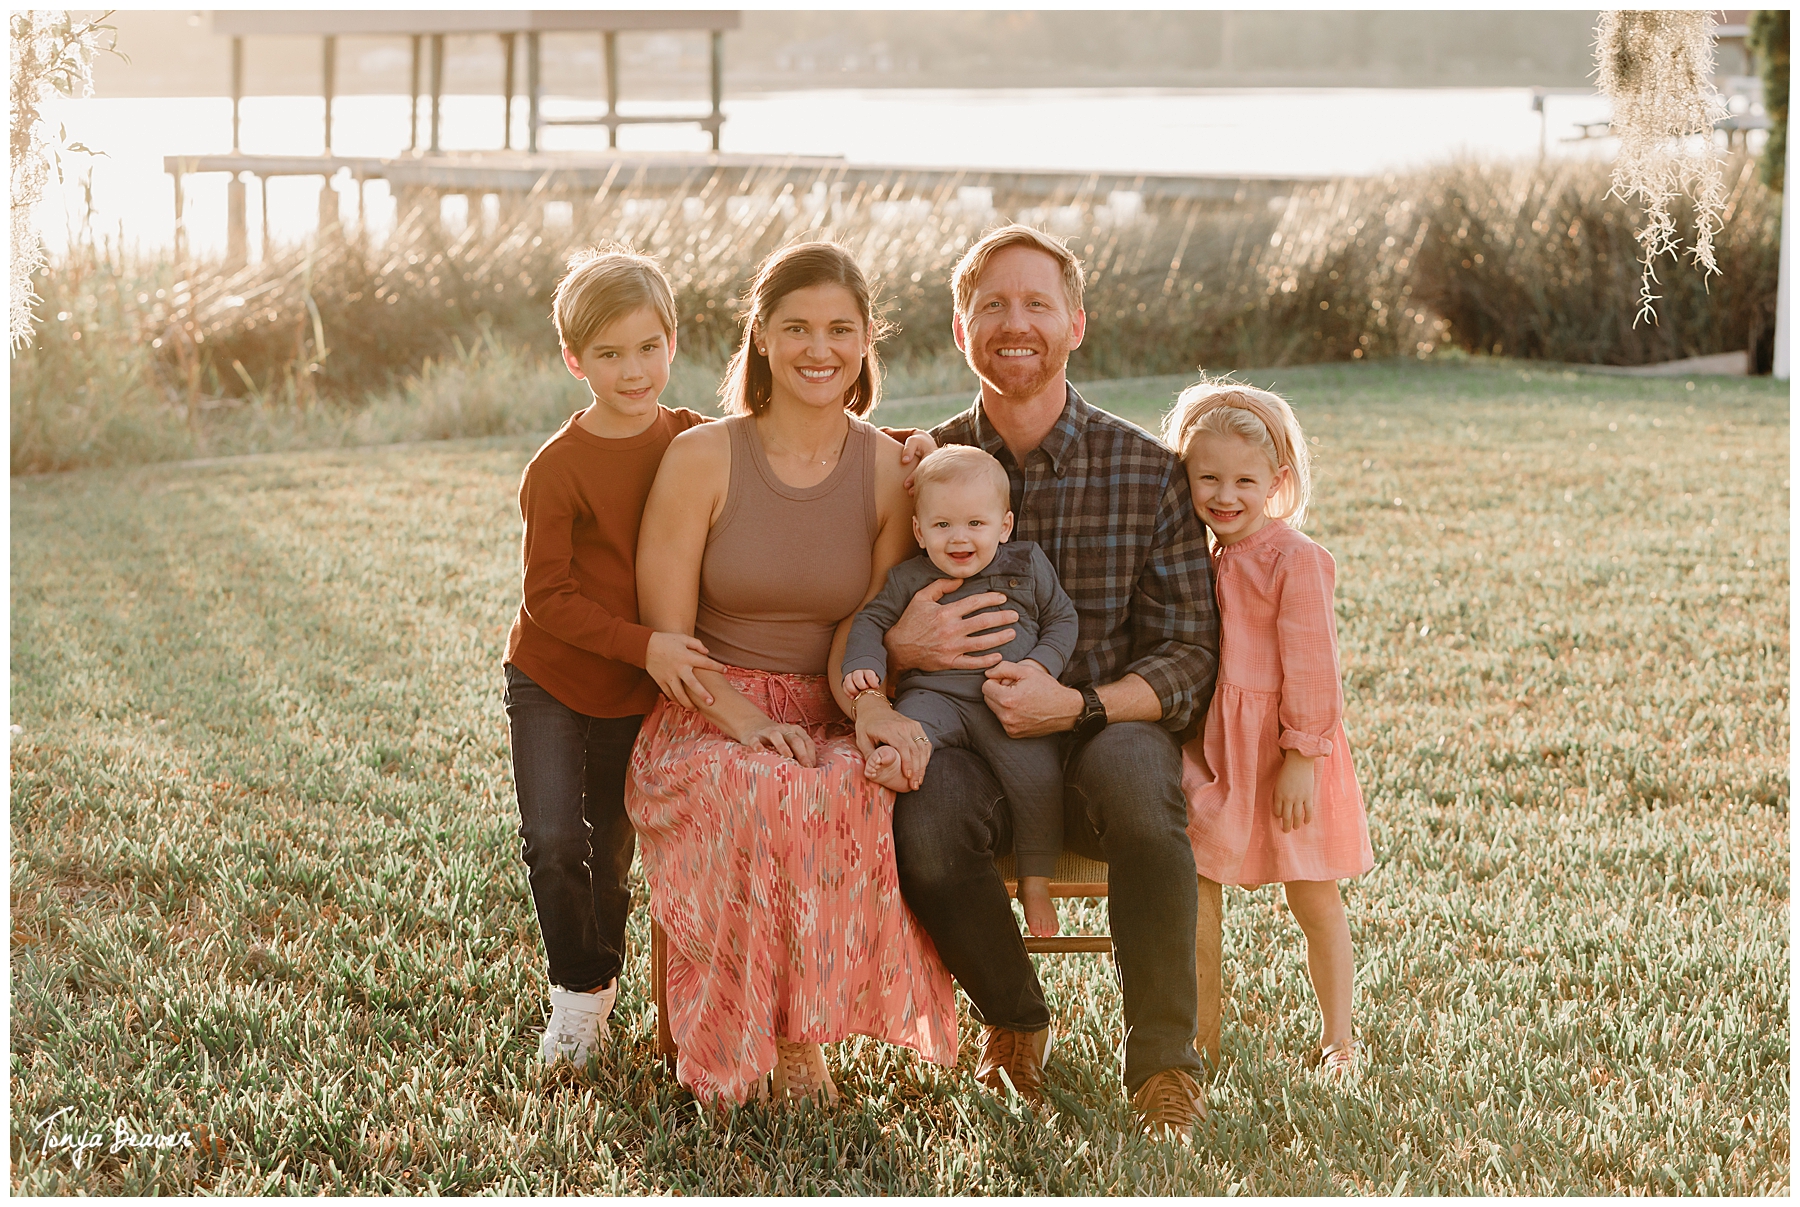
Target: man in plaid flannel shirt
x,y
1112,509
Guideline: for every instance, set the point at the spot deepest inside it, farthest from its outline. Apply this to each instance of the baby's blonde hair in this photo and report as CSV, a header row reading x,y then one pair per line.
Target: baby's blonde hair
x,y
962,463
1263,418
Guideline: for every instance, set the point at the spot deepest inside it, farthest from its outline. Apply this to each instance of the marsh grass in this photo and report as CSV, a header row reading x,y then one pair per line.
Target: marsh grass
x,y
351,341
265,879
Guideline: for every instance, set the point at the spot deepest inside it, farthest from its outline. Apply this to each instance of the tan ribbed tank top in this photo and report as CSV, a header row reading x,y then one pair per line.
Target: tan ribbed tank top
x,y
785,564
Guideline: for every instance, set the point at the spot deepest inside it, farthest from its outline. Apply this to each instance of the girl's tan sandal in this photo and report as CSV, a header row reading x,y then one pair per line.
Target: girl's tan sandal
x,y
801,1073
1340,1061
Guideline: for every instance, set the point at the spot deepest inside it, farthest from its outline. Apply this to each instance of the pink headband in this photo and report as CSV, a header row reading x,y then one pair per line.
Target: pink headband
x,y
1238,400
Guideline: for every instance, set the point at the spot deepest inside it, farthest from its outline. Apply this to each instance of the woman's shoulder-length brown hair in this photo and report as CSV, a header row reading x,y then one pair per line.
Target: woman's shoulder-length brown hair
x,y
749,382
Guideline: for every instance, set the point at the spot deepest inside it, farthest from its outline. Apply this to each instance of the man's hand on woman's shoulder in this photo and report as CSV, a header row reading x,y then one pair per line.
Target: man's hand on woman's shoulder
x,y
913,450
914,447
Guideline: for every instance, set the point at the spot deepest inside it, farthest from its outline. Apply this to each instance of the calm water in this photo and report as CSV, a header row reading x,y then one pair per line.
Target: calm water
x,y
1284,132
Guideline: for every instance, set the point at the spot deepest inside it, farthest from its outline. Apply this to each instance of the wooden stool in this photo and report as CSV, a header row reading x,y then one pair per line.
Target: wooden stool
x,y
1075,876
1078,876
659,988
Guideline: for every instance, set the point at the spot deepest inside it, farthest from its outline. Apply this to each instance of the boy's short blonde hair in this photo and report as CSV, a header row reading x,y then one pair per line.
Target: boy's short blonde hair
x,y
1225,408
962,463
967,274
603,285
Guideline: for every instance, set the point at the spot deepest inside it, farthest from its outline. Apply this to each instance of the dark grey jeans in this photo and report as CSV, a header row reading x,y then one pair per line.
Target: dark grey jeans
x,y
1122,802
569,769
1028,770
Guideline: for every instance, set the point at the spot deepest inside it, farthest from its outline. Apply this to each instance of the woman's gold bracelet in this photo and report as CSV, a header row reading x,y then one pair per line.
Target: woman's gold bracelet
x,y
867,691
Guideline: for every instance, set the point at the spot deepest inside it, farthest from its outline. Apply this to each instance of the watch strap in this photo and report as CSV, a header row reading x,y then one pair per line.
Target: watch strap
x,y
1093,715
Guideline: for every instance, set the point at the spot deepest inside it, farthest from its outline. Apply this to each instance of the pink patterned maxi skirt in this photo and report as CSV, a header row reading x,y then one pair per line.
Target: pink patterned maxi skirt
x,y
776,886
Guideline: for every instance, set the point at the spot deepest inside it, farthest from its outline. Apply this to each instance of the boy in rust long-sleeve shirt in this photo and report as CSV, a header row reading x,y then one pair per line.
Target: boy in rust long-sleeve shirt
x,y
581,672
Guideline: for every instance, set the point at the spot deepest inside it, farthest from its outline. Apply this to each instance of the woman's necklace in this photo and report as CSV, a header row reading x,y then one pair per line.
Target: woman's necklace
x,y
788,452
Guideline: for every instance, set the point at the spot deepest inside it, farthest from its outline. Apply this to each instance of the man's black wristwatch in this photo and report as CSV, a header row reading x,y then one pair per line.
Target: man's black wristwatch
x,y
1093,715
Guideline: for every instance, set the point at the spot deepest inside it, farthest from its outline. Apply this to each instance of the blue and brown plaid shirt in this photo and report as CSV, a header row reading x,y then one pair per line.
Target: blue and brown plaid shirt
x,y
1112,509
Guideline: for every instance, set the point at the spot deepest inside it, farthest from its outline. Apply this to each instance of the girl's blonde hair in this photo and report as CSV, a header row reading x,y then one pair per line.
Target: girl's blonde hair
x,y
1264,419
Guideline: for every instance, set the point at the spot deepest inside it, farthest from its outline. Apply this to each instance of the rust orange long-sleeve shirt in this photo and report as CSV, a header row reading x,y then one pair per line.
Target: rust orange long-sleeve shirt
x,y
577,634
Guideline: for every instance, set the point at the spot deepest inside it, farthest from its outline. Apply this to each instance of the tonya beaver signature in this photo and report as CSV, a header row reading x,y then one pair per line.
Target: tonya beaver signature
x,y
79,1144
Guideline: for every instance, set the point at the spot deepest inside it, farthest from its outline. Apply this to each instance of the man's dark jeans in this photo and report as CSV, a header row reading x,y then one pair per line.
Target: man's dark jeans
x,y
1122,803
578,843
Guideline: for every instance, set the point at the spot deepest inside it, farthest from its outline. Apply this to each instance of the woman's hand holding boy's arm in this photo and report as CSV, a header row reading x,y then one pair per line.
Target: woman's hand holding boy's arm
x,y
1294,792
672,659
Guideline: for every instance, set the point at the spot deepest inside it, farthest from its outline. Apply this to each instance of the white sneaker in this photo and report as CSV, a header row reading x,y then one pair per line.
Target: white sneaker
x,y
577,1024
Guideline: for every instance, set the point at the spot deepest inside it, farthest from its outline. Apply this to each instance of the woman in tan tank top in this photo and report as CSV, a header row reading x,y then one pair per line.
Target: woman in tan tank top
x,y
769,851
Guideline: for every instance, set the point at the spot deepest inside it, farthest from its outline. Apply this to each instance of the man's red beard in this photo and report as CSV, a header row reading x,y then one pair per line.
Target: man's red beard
x,y
1012,380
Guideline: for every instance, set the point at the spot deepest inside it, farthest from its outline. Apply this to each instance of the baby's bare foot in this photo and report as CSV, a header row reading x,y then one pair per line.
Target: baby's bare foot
x,y
1040,911
884,769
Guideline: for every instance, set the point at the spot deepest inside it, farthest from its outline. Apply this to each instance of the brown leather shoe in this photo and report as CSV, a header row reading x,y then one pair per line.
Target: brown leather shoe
x,y
1021,1054
1170,1102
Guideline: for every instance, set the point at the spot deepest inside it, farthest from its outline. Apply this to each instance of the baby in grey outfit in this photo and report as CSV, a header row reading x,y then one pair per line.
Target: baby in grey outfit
x,y
961,516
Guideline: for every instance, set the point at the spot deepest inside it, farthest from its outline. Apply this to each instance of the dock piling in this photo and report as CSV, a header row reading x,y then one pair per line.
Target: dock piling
x,y
328,207
330,79
237,90
180,242
718,86
437,88
612,88
510,43
237,252
413,112
534,84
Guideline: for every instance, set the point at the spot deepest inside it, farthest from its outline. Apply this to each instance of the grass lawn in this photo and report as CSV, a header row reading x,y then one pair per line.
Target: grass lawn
x,y
266,887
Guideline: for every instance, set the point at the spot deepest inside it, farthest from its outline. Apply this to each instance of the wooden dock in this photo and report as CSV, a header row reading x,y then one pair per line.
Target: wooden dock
x,y
521,181
480,172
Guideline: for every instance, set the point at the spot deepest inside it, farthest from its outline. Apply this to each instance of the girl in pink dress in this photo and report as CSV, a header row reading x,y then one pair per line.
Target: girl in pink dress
x,y
1272,793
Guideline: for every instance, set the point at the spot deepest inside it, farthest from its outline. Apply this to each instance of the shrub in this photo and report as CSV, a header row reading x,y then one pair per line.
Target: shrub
x,y
1544,265
436,331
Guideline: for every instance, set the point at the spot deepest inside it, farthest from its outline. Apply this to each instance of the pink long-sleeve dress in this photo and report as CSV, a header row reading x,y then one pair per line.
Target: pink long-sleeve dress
x,y
1278,690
